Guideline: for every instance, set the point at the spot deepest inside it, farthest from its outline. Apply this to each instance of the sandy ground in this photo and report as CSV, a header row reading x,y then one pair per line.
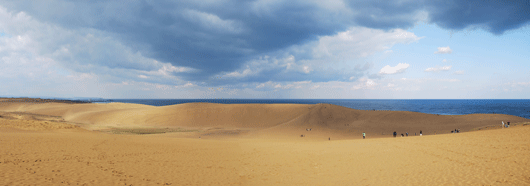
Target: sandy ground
x,y
59,144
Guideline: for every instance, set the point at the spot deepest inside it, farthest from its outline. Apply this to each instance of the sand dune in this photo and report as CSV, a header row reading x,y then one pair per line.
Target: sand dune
x,y
255,120
50,143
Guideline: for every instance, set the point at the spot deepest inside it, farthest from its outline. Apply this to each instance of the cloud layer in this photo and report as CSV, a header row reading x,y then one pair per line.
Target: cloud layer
x,y
221,36
183,44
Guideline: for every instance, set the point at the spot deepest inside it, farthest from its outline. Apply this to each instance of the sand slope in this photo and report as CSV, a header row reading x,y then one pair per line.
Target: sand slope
x,y
74,157
255,120
46,143
493,157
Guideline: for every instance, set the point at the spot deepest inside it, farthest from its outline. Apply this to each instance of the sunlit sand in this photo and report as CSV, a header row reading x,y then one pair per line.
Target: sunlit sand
x,y
49,143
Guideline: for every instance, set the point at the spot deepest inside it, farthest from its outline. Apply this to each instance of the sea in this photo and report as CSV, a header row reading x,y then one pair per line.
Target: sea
x,y
516,107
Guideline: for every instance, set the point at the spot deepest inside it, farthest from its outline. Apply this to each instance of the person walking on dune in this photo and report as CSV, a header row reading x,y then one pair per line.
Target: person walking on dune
x,y
395,134
364,135
420,133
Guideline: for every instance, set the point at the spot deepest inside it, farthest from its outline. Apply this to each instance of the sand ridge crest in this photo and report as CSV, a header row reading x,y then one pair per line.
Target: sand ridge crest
x,y
288,120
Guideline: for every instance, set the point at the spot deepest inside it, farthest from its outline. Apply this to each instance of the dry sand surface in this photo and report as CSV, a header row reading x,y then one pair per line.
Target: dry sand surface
x,y
50,143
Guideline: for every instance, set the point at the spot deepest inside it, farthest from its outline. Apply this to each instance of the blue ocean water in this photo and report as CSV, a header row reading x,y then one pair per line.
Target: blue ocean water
x,y
517,107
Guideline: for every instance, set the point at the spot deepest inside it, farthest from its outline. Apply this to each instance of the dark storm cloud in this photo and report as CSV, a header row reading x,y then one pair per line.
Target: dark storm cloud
x,y
220,36
167,32
493,15
386,14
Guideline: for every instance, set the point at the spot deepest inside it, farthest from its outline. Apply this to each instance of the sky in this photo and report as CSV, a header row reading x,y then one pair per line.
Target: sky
x,y
265,49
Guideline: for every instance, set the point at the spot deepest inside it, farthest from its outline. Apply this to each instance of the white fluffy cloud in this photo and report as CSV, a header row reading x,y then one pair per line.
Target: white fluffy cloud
x,y
436,69
399,68
444,50
359,42
335,54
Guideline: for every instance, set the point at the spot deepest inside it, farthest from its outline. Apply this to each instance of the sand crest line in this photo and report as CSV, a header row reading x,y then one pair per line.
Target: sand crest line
x,y
248,120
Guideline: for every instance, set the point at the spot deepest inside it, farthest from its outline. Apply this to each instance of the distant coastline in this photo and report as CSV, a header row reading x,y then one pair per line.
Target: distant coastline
x,y
39,100
516,107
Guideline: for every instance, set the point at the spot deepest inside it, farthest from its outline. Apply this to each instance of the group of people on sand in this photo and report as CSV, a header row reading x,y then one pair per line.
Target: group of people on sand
x,y
402,135
406,134
421,132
